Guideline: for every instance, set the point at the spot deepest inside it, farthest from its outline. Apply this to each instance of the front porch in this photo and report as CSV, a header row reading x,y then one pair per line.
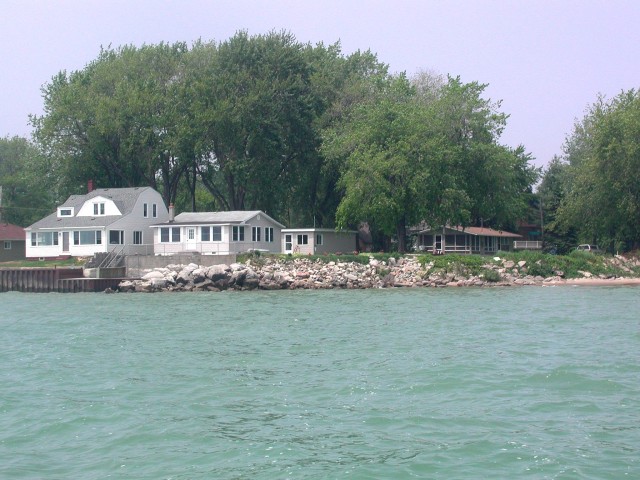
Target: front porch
x,y
470,240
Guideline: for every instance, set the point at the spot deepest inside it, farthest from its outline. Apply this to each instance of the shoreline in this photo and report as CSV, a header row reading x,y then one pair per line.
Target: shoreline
x,y
306,274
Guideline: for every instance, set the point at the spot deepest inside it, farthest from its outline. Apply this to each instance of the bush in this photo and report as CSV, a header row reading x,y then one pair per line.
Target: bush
x,y
490,275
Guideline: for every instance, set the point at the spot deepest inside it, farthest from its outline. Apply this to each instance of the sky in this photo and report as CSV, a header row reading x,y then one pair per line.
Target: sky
x,y
546,60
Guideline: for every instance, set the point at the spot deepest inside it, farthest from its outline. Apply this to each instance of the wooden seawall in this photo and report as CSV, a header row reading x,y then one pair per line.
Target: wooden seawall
x,y
43,280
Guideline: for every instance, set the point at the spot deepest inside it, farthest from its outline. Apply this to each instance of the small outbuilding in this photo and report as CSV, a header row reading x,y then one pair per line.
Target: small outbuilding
x,y
12,242
318,241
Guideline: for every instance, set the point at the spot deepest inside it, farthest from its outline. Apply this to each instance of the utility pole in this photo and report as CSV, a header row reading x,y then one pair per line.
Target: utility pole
x,y
0,203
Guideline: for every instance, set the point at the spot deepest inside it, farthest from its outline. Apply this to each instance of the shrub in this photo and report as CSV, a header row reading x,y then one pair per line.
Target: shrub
x,y
490,275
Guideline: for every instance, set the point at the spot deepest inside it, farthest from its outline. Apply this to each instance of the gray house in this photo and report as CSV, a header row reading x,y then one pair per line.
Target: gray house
x,y
318,241
11,242
103,220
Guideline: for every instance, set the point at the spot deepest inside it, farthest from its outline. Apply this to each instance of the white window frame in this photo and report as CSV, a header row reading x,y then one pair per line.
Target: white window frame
x,y
154,210
138,237
98,209
171,234
120,237
237,233
36,239
302,239
319,239
145,210
255,234
216,234
65,209
268,234
78,240
7,244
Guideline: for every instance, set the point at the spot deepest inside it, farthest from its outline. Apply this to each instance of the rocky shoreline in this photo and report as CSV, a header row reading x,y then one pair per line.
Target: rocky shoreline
x,y
302,273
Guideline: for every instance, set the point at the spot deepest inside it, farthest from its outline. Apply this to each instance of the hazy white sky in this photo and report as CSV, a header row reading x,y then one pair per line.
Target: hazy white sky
x,y
546,60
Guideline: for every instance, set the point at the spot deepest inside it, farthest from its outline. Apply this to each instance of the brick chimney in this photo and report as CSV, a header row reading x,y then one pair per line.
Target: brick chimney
x,y
171,212
90,186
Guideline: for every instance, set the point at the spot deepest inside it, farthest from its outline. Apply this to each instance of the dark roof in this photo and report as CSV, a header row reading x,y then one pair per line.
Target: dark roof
x,y
478,231
124,198
9,231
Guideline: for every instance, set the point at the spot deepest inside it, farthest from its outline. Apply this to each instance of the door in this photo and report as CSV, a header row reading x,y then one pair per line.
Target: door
x,y
288,243
438,243
191,238
65,242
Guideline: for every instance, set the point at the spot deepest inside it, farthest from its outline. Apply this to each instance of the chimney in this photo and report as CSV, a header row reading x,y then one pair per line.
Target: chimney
x,y
171,212
90,186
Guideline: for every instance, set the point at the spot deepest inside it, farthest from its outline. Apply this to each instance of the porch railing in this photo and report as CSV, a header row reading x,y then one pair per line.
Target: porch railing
x,y
527,245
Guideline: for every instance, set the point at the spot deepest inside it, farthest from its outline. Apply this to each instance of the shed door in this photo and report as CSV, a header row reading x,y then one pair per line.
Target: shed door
x,y
288,243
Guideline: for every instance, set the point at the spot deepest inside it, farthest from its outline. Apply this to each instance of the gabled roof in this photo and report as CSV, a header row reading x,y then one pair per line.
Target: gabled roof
x,y
9,231
210,218
477,231
124,198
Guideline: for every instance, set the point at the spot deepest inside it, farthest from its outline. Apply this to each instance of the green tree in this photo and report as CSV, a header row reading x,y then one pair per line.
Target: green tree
x,y
118,121
603,153
428,151
255,108
27,190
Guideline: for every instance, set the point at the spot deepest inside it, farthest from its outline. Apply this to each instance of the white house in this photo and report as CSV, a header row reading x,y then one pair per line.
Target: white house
x,y
217,233
318,241
103,220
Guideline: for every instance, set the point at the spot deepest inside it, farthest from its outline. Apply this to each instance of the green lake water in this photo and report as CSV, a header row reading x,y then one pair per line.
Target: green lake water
x,y
423,383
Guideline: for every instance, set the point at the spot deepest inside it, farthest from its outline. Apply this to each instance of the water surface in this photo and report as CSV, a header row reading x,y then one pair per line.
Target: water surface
x,y
422,383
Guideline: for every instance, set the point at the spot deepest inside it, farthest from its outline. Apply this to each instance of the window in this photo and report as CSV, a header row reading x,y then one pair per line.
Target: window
x,y
205,234
98,208
268,234
154,210
65,212
87,237
319,239
303,239
44,239
170,234
217,234
7,244
137,237
191,233
255,234
116,237
238,233
145,210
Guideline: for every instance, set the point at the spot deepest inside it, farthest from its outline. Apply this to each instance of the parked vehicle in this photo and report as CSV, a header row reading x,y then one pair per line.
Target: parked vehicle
x,y
589,248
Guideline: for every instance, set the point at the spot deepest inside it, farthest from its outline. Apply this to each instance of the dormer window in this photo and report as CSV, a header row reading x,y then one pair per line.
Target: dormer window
x,y
65,212
98,208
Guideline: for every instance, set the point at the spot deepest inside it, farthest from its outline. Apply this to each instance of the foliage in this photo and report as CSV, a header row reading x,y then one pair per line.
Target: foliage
x,y
28,192
412,154
601,185
490,275
458,264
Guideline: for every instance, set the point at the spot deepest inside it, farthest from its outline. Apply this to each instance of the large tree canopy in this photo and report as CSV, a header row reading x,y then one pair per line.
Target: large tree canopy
x,y
428,151
602,201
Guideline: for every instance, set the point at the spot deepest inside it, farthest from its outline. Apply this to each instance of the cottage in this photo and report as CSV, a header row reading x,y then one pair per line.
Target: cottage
x,y
480,240
104,220
217,233
11,242
318,241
